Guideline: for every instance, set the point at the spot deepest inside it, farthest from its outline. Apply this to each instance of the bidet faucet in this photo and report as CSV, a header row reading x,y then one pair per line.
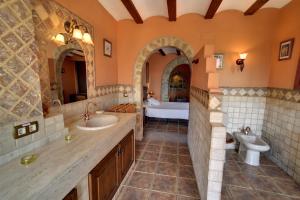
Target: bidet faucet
x,y
247,130
86,115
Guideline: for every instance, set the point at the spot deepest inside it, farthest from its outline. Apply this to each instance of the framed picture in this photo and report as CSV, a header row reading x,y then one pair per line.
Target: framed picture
x,y
107,48
219,60
286,49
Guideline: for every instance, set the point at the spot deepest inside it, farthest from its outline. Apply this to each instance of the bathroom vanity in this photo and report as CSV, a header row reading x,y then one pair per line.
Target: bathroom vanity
x,y
90,166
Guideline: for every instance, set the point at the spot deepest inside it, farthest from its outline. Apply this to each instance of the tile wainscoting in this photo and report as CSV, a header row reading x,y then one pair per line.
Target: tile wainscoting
x,y
206,140
272,113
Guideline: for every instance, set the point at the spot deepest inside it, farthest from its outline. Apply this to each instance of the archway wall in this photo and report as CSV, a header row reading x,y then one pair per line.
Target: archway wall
x,y
145,53
166,75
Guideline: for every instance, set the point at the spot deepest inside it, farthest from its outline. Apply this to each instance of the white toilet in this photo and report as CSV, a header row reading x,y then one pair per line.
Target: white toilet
x,y
254,145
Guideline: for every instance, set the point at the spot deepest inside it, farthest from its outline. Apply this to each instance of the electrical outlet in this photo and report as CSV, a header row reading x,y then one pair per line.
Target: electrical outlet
x,y
32,128
23,130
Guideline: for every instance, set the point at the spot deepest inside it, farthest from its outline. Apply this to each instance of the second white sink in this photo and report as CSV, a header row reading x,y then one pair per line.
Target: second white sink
x,y
98,122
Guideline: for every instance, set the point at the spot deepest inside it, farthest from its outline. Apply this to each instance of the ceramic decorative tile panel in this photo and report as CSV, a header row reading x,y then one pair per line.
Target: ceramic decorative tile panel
x,y
17,78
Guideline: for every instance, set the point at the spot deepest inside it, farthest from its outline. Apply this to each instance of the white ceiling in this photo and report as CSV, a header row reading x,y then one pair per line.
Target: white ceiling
x,y
149,8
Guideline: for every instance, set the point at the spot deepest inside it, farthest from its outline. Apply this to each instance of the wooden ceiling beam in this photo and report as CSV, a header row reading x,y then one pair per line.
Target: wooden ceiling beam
x,y
132,11
178,52
214,5
172,10
255,7
162,52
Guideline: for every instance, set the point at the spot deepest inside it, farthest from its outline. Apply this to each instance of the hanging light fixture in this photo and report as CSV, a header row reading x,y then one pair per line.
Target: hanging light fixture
x,y
74,31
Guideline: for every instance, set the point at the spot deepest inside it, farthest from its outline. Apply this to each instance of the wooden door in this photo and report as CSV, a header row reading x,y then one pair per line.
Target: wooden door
x,y
126,152
103,179
72,195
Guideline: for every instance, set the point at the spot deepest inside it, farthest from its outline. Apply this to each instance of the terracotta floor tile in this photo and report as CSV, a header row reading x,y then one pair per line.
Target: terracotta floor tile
x,y
140,147
170,150
187,187
243,194
161,196
166,169
231,165
164,183
170,143
186,172
274,171
184,160
138,154
141,180
155,148
145,166
262,183
168,158
183,151
151,156
128,193
272,196
248,169
186,198
236,179
288,187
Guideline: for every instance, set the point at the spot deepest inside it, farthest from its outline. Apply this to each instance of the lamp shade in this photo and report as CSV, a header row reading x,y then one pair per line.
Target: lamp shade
x,y
87,38
60,38
243,56
77,33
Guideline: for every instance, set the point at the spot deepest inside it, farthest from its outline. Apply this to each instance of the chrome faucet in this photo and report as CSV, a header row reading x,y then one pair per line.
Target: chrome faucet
x,y
246,130
86,115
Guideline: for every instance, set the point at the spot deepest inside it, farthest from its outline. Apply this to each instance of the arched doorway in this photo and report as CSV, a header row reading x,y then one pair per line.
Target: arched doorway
x,y
167,41
166,75
147,51
179,84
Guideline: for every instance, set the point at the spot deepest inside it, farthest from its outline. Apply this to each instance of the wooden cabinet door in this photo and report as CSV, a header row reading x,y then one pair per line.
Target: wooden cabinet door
x,y
72,195
103,179
126,154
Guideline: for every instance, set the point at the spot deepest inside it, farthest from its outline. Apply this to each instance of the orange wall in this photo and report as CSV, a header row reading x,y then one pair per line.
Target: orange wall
x,y
230,31
104,27
157,64
199,77
283,72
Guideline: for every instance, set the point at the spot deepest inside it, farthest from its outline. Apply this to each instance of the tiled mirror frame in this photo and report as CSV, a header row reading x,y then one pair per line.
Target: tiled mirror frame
x,y
44,31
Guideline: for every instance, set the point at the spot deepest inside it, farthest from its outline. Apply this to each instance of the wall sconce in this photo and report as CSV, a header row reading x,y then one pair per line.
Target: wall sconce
x,y
74,31
240,61
196,61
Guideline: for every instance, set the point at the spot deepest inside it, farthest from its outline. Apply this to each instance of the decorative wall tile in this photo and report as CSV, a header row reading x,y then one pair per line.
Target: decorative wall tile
x,y
21,109
15,65
8,100
19,88
8,17
3,28
24,33
4,53
12,41
20,9
27,56
5,78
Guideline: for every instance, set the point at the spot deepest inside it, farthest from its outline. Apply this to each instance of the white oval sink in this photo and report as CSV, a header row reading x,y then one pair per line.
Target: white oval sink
x,y
98,123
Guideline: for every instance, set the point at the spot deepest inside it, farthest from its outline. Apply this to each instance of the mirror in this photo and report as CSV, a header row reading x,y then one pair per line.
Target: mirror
x,y
67,74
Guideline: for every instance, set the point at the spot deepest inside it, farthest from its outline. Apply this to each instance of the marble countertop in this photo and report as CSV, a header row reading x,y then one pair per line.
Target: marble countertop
x,y
60,165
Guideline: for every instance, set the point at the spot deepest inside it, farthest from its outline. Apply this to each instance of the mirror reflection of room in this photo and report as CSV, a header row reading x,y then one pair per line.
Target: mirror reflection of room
x,y
73,77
